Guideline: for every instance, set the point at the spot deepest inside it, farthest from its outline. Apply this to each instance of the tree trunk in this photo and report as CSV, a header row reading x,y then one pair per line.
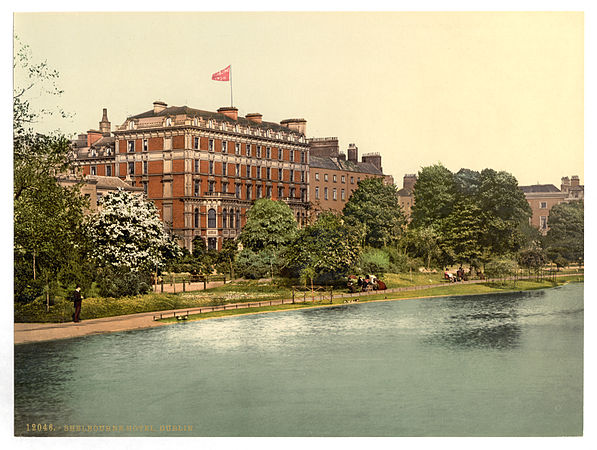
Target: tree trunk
x,y
34,264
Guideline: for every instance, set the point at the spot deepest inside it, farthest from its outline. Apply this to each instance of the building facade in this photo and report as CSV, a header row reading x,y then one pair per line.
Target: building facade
x,y
543,197
333,177
204,169
406,195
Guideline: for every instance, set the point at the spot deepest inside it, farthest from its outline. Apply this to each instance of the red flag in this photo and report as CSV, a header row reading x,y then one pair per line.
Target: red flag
x,y
222,75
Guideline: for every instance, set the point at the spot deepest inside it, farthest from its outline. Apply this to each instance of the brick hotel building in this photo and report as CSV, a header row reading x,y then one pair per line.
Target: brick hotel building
x,y
203,169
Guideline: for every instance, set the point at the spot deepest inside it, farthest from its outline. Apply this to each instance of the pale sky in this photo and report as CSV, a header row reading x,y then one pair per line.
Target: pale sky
x,y
474,90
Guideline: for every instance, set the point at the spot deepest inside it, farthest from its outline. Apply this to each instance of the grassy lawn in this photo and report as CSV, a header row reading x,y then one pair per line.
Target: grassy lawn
x,y
241,291
451,289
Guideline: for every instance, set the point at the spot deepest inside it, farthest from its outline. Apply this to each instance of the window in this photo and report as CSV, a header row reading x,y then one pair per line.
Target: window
x,y
543,224
211,167
317,193
211,218
325,193
212,243
145,187
303,195
269,192
131,168
237,190
196,143
131,145
108,151
224,146
342,195
195,122
302,176
291,155
302,157
268,173
258,169
196,166
231,218
280,153
196,188
224,218
131,125
237,219
280,192
145,145
351,180
543,205
268,153
248,148
334,195
211,187
291,175
259,151
292,193
108,170
316,176
238,170
237,148
259,189
210,124
196,217
335,178
168,122
224,169
145,167
210,145
93,170
343,179
358,179
224,188
325,177
248,192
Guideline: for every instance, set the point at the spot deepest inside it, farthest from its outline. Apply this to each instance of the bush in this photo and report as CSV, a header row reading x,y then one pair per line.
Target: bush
x,y
398,260
374,261
500,268
122,283
254,265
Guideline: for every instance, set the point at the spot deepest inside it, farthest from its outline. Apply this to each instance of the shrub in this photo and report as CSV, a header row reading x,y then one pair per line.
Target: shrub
x,y
374,261
122,283
255,265
499,268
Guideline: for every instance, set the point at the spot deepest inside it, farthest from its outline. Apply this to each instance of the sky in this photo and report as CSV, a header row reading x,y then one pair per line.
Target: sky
x,y
475,90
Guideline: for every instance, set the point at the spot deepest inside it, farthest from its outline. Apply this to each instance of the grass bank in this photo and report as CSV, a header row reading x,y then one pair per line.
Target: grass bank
x,y
452,289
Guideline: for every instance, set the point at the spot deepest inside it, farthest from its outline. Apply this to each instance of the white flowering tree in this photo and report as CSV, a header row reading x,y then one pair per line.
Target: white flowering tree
x,y
127,233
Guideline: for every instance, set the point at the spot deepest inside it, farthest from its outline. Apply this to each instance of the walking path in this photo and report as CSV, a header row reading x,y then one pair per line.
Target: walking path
x,y
37,332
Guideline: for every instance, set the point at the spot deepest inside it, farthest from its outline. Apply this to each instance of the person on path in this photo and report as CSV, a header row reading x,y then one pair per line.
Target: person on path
x,y
77,300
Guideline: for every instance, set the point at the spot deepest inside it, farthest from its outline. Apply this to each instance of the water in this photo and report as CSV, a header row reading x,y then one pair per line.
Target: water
x,y
495,365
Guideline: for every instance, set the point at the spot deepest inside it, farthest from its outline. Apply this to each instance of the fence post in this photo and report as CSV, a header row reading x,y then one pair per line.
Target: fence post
x,y
184,289
162,285
293,296
331,295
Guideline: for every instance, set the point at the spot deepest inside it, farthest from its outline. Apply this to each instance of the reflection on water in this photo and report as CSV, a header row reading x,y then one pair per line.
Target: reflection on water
x,y
498,365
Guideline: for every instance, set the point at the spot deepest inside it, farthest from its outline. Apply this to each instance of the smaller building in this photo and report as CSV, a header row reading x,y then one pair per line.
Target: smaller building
x,y
333,177
94,187
543,197
406,195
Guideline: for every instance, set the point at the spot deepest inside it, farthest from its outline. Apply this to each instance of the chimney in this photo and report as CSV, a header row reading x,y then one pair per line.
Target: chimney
x,y
254,117
93,136
324,147
565,184
298,125
159,106
353,153
104,125
575,181
409,181
229,111
342,156
373,158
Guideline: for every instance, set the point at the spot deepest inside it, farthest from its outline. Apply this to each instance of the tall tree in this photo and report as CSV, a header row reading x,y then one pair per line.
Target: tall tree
x,y
435,194
374,208
270,225
565,238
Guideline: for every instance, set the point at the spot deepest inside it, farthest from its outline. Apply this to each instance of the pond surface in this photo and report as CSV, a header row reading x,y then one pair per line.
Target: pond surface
x,y
494,365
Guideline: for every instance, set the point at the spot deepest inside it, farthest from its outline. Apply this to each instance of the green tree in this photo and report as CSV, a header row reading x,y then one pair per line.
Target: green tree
x,y
423,242
374,208
462,233
564,241
328,248
48,217
532,258
270,225
435,194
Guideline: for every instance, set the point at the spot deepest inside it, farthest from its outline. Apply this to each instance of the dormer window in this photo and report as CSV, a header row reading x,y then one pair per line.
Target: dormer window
x,y
269,133
236,128
93,152
131,125
195,122
210,124
168,122
131,146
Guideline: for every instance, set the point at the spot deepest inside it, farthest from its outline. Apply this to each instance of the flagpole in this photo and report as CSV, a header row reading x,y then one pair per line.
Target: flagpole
x,y
231,102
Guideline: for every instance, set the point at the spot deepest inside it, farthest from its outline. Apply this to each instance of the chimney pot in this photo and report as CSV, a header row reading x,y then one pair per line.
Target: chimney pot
x,y
159,106
229,111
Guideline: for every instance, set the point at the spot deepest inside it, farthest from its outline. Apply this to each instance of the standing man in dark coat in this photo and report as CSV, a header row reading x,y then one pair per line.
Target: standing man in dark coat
x,y
77,300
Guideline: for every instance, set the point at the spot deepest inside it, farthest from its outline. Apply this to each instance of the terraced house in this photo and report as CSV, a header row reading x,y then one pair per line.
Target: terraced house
x,y
203,169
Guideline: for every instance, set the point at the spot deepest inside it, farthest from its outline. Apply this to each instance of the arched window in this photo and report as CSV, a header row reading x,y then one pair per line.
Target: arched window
x,y
224,216
196,217
168,122
238,219
211,218
231,218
